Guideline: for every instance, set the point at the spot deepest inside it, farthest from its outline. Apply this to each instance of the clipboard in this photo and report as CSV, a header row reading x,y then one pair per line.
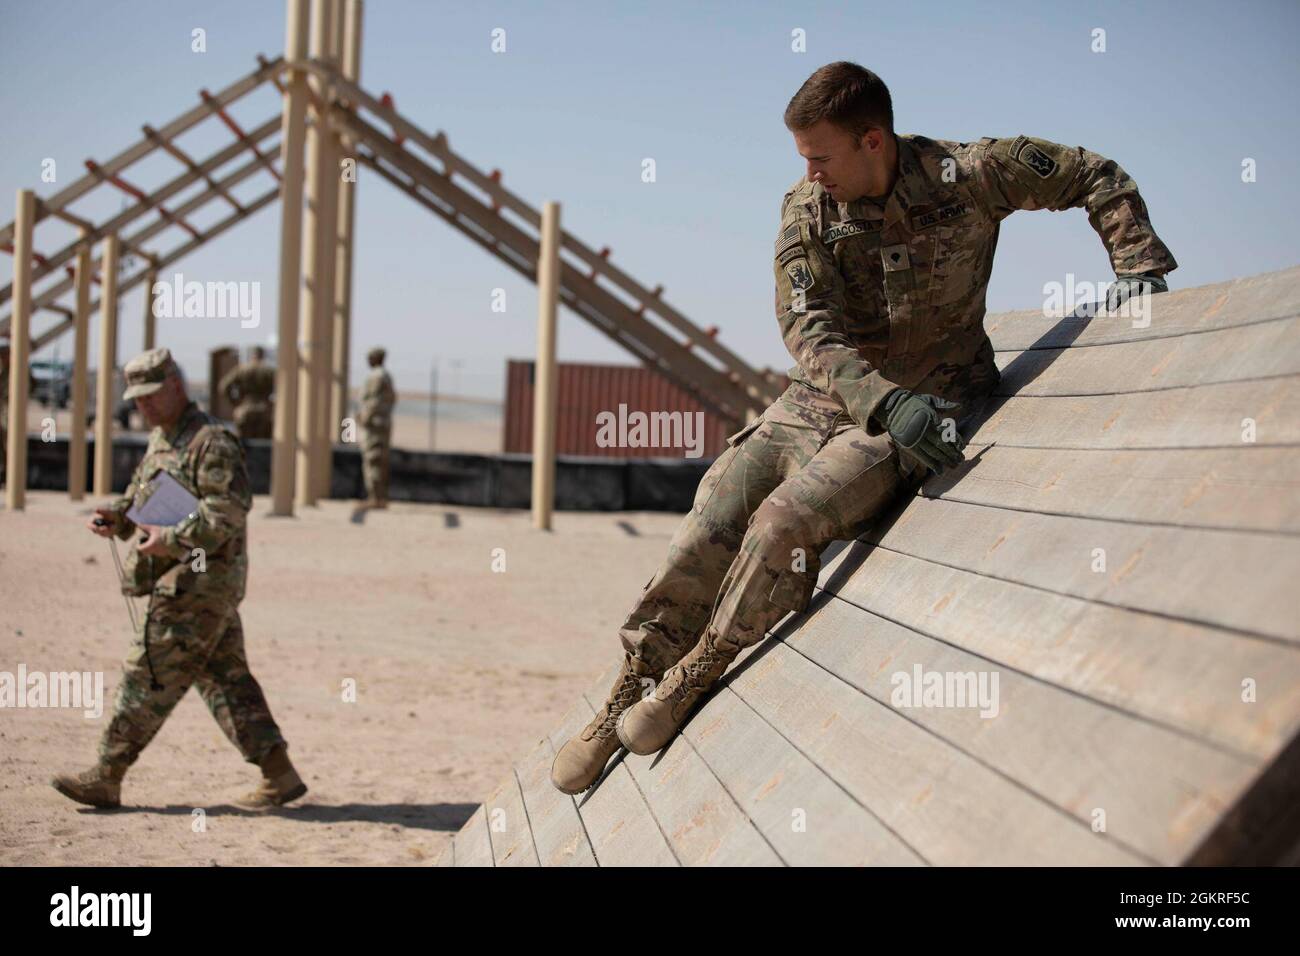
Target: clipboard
x,y
163,501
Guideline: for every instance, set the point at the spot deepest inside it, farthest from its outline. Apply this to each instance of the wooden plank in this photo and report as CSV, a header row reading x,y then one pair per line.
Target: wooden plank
x,y
512,837
1251,488
620,824
448,855
949,807
1160,792
1263,827
1231,579
558,835
699,817
1184,676
808,818
1260,350
1221,305
473,844
1206,416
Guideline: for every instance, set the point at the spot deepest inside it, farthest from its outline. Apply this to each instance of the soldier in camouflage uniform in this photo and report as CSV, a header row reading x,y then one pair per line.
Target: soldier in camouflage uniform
x,y
377,400
881,303
250,386
194,574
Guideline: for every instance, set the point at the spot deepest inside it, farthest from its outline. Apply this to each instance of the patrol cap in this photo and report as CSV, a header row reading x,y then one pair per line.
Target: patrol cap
x,y
376,354
146,372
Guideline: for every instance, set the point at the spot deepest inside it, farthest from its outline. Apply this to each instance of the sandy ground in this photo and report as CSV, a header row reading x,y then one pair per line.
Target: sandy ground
x,y
461,425
458,669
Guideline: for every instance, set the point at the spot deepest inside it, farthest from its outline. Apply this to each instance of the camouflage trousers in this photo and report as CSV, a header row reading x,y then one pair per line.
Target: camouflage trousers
x,y
374,464
188,641
795,479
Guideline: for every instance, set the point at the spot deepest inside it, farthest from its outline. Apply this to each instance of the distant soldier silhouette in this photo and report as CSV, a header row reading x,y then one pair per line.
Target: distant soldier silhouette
x,y
377,400
250,387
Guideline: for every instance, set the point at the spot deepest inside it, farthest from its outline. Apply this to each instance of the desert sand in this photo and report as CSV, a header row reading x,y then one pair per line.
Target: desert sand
x,y
458,670
461,423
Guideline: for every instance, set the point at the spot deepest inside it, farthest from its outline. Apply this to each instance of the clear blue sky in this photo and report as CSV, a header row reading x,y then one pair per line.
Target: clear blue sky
x,y
584,92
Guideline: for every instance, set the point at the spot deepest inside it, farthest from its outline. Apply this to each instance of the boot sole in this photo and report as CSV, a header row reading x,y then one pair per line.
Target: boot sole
x,y
99,804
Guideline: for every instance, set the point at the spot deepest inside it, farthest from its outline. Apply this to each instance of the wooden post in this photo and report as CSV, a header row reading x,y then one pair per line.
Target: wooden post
x,y
329,226
293,125
545,391
150,320
80,349
318,268
20,340
104,397
342,352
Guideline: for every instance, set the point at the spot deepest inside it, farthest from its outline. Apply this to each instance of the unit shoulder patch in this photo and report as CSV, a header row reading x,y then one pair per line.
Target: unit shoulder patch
x,y
800,276
1030,155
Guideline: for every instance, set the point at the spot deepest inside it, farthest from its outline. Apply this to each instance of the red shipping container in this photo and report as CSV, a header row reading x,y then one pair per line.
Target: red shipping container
x,y
590,397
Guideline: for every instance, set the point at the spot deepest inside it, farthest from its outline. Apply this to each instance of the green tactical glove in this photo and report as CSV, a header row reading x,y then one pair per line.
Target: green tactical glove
x,y
1125,287
916,423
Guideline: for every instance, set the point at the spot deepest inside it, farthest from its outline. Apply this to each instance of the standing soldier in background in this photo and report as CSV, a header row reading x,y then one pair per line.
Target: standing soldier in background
x,y
882,260
377,402
194,574
249,387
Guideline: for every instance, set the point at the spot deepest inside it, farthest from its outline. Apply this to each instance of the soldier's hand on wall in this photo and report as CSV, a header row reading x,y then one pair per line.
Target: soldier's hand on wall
x,y
104,522
1125,287
921,431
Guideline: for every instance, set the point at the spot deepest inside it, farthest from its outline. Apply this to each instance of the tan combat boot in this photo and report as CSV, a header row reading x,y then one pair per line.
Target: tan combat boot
x,y
652,723
100,786
280,783
580,762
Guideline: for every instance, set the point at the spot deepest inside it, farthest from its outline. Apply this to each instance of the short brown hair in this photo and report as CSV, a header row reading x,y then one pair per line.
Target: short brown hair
x,y
850,96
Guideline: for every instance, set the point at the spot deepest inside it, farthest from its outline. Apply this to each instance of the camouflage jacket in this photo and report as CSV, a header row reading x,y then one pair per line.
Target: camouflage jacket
x,y
871,298
249,384
208,461
377,401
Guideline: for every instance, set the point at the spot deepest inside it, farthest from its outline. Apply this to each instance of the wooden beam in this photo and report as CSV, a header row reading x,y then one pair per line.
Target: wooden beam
x,y
19,353
293,133
144,147
49,335
104,398
546,388
152,200
46,299
80,351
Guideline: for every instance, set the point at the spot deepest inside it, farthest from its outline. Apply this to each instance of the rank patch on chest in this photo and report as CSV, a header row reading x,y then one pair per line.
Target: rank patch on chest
x,y
942,214
895,258
1037,160
850,227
